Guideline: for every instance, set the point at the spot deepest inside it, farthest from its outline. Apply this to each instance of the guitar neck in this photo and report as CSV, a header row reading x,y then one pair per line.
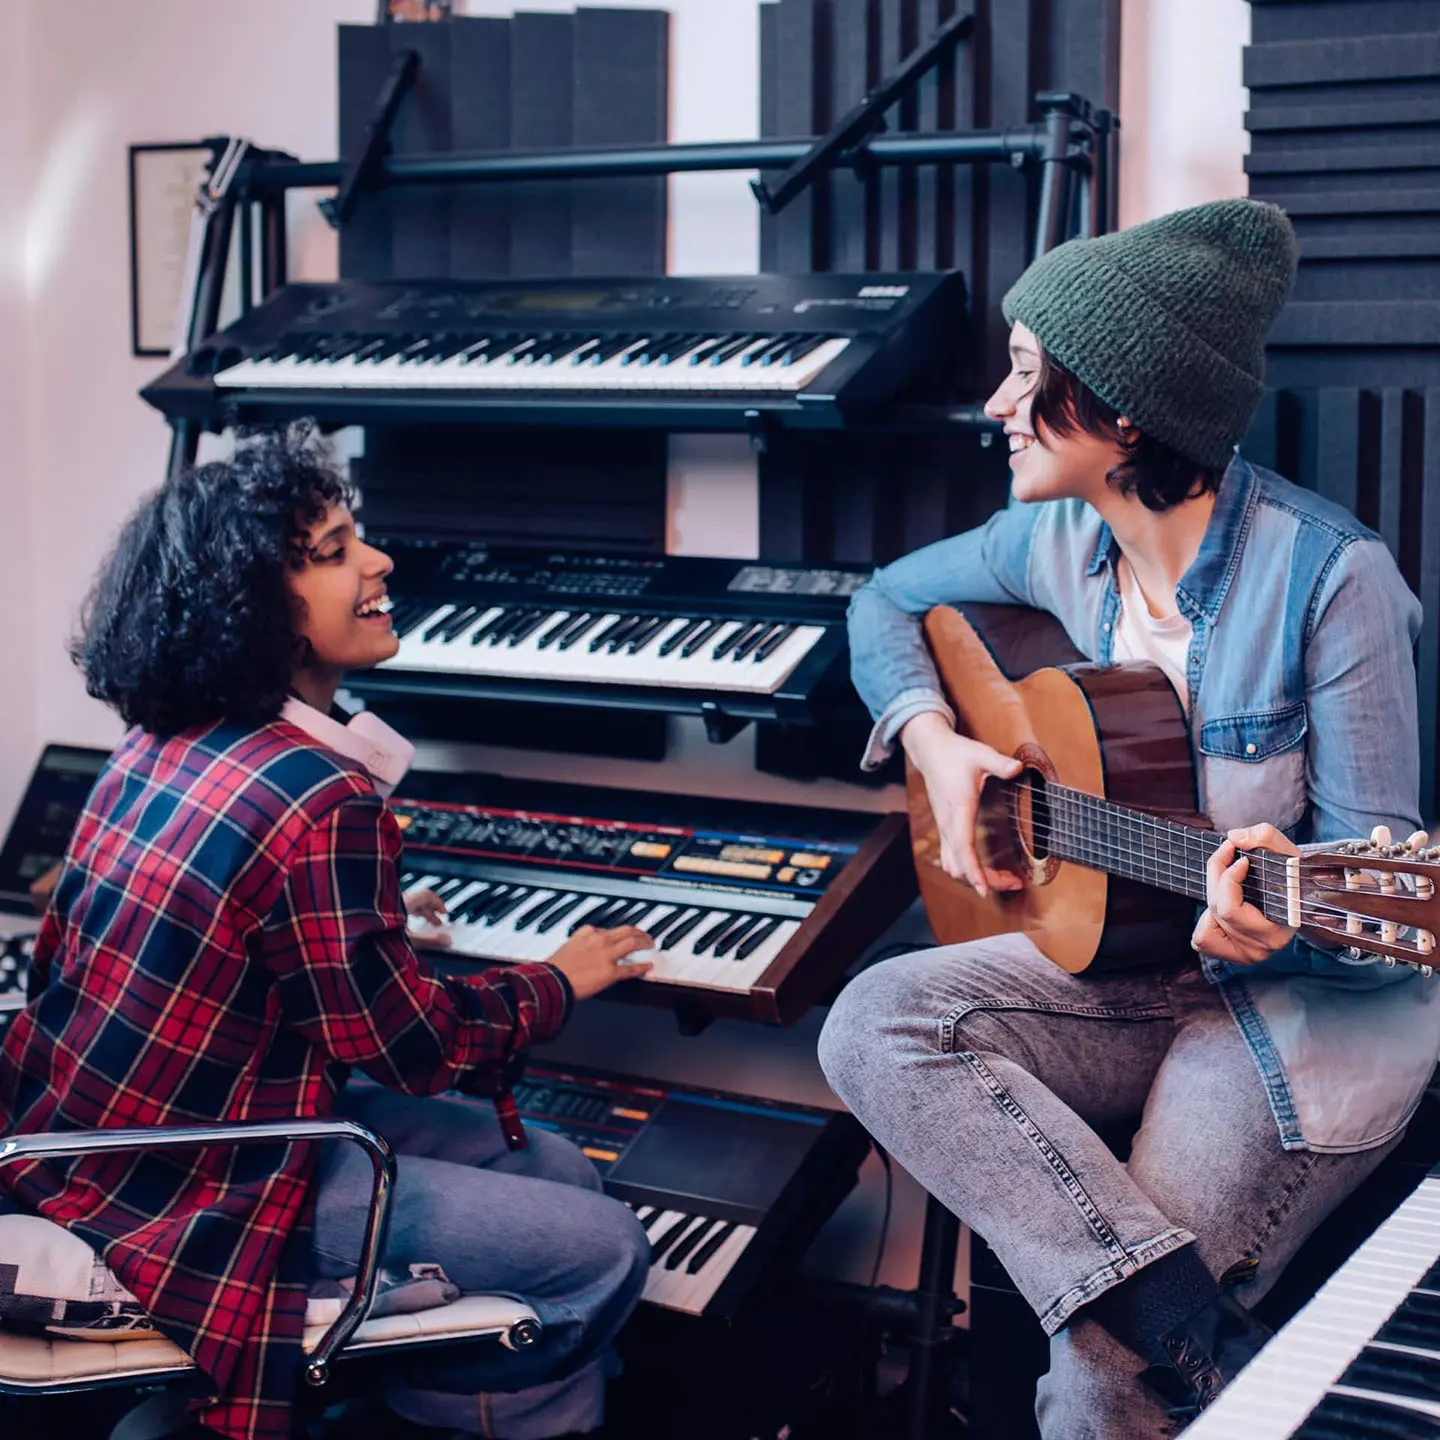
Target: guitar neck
x,y
1132,845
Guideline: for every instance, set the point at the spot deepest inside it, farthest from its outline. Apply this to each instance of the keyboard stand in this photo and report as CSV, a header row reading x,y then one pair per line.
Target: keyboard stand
x,y
933,1338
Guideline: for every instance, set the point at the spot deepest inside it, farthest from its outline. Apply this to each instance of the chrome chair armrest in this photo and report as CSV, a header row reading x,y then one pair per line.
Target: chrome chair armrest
x,y
68,1144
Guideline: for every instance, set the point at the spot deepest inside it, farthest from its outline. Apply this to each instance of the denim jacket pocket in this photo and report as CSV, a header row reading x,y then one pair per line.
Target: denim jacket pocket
x,y
1254,767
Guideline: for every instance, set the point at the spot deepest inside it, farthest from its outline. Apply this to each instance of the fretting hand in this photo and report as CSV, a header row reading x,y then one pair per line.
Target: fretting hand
x,y
955,769
1231,928
593,960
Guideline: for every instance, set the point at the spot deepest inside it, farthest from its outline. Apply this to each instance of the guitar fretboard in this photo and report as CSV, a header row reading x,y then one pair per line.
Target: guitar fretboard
x,y
1151,849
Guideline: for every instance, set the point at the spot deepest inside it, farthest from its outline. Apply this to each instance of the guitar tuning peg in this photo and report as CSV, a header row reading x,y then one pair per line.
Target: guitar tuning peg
x,y
1417,842
1427,971
1379,836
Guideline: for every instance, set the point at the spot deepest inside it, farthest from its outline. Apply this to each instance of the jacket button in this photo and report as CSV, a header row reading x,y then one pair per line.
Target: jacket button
x,y
1250,748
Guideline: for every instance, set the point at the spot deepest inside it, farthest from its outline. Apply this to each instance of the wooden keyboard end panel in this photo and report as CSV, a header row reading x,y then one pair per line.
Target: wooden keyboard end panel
x,y
852,914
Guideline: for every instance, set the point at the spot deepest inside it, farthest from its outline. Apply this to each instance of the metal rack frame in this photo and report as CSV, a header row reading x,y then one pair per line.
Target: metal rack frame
x,y
1074,146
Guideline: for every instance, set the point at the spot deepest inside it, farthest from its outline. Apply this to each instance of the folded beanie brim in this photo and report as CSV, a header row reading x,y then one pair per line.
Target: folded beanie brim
x,y
1171,357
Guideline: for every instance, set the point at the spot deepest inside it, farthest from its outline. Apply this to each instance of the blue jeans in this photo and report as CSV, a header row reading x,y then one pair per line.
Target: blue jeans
x,y
532,1223
983,1067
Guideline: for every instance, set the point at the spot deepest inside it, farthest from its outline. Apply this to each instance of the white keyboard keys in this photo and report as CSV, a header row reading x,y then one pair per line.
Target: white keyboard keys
x,y
687,934
543,654
502,367
1272,1396
708,1245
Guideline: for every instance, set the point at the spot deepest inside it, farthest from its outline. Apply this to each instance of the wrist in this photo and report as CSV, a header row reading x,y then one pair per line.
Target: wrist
x,y
921,734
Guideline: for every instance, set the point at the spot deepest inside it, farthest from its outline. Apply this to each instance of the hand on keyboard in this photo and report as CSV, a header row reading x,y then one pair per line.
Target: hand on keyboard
x,y
593,959
427,914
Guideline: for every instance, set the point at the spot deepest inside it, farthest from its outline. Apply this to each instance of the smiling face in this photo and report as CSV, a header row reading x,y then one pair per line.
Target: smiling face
x,y
341,606
1057,467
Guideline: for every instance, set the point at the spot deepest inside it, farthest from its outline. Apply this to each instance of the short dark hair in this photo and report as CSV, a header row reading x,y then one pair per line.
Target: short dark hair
x,y
1151,470
190,620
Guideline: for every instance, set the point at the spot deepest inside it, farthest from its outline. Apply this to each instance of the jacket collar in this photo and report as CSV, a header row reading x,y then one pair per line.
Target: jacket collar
x,y
1203,586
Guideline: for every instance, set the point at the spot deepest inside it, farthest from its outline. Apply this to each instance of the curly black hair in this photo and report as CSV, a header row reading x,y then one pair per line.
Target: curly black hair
x,y
190,620
1151,470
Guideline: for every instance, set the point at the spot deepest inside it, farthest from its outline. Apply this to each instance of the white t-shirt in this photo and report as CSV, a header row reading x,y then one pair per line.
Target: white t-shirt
x,y
1139,635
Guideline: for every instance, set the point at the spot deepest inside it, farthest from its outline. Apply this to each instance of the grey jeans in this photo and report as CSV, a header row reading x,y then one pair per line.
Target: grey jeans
x,y
982,1069
532,1223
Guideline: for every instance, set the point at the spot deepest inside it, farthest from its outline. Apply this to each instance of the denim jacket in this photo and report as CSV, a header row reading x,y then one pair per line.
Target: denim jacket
x,y
1302,712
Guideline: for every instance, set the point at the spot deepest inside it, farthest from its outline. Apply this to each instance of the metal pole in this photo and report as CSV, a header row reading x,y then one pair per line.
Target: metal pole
x,y
936,1306
273,255
1055,179
608,162
246,215
210,281
184,446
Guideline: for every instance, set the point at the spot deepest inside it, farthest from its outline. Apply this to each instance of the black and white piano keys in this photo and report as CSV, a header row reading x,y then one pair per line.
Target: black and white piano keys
x,y
671,364
598,645
691,1256
1362,1359
726,944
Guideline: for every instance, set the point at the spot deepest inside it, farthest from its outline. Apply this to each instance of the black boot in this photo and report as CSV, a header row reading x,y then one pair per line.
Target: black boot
x,y
1211,1348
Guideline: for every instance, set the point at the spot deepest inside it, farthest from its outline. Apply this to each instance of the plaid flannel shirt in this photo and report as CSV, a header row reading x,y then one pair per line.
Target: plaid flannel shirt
x,y
227,940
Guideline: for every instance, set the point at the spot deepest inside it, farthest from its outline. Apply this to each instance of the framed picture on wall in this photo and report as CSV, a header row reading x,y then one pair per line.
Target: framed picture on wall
x,y
163,182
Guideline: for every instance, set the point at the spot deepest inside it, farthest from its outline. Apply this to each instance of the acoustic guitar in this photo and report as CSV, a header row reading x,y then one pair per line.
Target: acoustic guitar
x,y
1102,823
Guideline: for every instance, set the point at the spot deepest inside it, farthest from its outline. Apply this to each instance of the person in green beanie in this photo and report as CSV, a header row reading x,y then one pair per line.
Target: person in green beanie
x,y
1267,1077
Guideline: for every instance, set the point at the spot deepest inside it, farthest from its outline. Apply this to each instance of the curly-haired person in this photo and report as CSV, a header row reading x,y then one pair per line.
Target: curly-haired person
x,y
228,942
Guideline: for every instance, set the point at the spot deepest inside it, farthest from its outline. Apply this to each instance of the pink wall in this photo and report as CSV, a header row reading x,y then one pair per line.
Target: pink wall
x,y
18,733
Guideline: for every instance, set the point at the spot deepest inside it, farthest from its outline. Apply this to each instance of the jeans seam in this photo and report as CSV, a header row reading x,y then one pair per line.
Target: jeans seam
x,y
950,1021
1275,1213
1059,1167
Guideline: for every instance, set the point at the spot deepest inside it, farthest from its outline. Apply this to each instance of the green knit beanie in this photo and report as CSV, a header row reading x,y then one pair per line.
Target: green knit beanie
x,y
1166,321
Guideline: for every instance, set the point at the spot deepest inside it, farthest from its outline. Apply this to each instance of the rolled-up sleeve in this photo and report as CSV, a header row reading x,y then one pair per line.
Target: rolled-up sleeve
x,y
350,981
889,664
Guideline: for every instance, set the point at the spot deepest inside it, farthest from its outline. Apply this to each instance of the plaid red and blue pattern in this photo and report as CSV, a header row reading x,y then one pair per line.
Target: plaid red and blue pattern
x,y
227,940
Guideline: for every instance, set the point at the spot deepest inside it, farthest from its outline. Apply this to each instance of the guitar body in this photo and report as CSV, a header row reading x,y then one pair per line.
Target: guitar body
x,y
1116,731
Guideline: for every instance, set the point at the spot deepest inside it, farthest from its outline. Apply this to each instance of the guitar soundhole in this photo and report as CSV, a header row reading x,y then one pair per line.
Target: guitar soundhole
x,y
1032,818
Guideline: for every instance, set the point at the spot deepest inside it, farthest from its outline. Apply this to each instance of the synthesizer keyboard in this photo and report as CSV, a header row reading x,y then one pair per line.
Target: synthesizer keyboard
x,y
751,639
756,910
682,352
14,965
725,1185
1362,1358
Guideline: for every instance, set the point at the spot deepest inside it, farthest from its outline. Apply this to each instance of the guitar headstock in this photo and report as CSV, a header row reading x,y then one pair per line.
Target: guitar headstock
x,y
1374,896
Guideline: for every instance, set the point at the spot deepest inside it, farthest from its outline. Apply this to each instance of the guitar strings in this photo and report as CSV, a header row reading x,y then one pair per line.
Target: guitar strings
x,y
1196,845
1310,910
1265,867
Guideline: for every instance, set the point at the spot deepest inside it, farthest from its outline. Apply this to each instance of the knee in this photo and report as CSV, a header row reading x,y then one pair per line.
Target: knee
x,y
552,1157
621,1250
864,1026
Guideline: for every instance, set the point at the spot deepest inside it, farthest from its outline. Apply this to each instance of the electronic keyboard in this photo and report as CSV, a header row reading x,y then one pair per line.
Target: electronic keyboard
x,y
678,352
725,1185
756,910
14,967
1363,1357
753,639
36,841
